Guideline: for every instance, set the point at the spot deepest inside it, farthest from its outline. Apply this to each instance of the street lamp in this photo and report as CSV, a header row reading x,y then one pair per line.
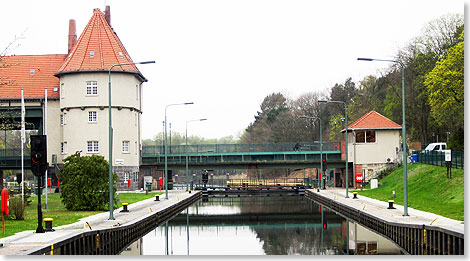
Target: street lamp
x,y
321,148
345,140
166,148
185,151
110,138
405,173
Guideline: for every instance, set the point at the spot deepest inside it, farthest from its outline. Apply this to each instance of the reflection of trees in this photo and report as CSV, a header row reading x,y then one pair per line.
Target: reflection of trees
x,y
297,239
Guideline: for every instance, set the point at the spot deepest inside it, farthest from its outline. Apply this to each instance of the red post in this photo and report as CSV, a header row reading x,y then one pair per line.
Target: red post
x,y
5,205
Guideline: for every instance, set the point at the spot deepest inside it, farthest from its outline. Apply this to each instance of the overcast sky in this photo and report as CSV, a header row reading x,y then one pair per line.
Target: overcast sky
x,y
226,56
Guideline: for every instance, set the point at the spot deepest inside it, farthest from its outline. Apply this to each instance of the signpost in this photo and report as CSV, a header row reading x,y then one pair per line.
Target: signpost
x,y
448,158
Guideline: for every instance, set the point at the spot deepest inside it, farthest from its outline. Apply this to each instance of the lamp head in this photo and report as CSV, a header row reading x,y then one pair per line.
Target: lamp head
x,y
187,103
365,59
147,62
322,101
203,120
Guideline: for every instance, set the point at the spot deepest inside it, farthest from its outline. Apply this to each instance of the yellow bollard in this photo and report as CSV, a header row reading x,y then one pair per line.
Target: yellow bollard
x,y
150,210
52,249
336,197
365,207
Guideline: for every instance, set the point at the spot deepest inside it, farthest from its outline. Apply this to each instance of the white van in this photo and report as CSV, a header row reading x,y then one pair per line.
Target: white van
x,y
439,146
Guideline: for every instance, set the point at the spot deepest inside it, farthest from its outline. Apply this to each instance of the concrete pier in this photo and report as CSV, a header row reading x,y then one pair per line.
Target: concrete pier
x,y
418,233
149,211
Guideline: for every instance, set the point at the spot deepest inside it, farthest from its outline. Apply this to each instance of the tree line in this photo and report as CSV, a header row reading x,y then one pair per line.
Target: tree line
x,y
434,92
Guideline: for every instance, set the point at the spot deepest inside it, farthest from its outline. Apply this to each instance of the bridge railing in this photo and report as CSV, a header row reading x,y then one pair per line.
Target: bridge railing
x,y
150,150
247,182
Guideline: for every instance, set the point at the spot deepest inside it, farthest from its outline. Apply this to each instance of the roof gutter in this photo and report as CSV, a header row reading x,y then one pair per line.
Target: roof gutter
x,y
137,74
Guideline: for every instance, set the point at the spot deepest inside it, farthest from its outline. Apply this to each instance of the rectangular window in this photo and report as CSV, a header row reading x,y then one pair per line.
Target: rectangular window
x,y
92,146
92,116
360,137
62,91
125,146
91,88
370,136
63,147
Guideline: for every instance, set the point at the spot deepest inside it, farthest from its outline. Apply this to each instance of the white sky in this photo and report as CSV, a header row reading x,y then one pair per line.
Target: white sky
x,y
226,56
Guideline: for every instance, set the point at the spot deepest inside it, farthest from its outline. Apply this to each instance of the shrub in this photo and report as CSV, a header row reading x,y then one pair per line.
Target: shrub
x,y
84,182
17,208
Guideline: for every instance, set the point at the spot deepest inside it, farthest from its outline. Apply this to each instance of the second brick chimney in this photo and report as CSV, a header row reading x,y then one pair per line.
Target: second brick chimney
x,y
72,34
107,14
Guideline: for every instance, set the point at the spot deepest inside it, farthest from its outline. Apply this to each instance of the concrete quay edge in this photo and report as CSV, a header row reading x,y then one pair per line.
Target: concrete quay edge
x,y
379,209
27,240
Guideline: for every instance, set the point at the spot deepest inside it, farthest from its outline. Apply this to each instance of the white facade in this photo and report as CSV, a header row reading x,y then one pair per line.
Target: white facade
x,y
386,146
85,117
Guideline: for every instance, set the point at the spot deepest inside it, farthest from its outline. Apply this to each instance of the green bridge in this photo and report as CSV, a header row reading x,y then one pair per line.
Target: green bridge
x,y
243,156
219,156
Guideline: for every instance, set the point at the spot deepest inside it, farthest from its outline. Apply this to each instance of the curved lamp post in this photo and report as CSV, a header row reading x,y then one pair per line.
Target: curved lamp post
x,y
166,147
321,148
405,173
345,140
110,138
185,151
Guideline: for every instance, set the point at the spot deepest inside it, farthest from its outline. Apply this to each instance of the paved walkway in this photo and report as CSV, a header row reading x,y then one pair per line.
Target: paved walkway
x,y
26,240
379,209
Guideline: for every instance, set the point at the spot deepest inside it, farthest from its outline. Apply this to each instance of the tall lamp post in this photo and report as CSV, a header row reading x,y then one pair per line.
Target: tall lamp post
x,y
166,148
321,147
110,138
186,152
405,173
345,140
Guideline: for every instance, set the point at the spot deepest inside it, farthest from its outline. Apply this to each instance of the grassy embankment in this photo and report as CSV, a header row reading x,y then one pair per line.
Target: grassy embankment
x,y
59,214
428,190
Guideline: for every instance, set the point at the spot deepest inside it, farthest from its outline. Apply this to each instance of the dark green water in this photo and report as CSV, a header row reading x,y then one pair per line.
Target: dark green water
x,y
287,225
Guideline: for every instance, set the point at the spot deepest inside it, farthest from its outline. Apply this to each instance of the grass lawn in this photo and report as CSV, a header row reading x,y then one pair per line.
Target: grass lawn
x,y
428,190
60,215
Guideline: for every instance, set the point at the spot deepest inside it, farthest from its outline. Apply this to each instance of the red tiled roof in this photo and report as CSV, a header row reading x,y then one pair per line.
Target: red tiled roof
x,y
374,120
101,40
16,72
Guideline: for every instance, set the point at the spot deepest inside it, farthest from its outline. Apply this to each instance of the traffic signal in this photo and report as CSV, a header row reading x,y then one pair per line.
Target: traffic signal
x,y
324,163
38,154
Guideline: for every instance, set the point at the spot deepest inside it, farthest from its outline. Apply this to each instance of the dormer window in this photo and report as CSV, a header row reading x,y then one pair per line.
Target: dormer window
x,y
31,72
120,54
92,53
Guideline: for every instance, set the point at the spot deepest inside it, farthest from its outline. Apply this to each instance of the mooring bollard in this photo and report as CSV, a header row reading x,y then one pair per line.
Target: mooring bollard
x,y
48,222
124,205
355,195
157,198
390,204
318,189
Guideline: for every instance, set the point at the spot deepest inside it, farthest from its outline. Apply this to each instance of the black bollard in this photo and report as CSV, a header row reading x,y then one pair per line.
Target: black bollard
x,y
48,222
157,198
390,204
124,205
355,195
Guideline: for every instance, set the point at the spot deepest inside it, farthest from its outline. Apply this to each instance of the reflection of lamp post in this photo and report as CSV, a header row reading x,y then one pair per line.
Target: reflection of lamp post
x,y
110,139
321,148
345,141
405,174
166,148
185,151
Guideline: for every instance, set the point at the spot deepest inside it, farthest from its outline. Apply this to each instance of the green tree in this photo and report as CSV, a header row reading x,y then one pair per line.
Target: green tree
x,y
445,85
85,183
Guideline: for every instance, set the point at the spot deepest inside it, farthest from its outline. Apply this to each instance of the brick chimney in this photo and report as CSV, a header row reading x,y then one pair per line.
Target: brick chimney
x,y
72,34
107,14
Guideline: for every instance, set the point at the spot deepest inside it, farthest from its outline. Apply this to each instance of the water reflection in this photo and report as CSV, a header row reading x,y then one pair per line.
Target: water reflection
x,y
288,225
